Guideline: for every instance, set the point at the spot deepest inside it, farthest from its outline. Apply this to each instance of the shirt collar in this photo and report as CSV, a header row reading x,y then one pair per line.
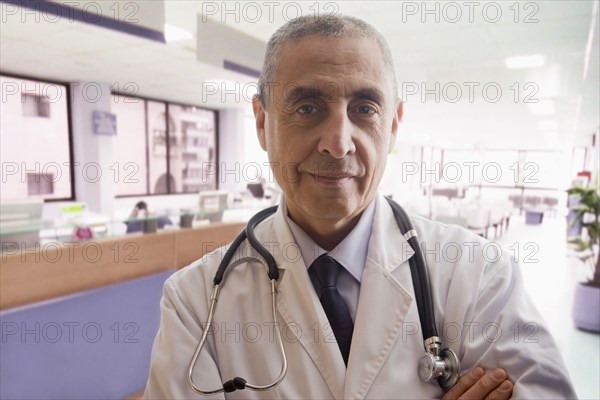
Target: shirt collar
x,y
351,252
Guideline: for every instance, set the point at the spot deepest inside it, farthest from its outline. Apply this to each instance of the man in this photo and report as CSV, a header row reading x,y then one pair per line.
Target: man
x,y
139,214
327,114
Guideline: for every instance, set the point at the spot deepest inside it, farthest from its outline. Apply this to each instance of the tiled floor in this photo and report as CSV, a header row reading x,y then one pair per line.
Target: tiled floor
x,y
550,273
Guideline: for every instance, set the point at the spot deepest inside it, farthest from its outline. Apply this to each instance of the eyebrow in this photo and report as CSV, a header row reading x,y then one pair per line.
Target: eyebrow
x,y
327,92
371,93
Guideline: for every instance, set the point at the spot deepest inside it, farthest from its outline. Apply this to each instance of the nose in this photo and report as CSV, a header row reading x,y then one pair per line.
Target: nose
x,y
336,135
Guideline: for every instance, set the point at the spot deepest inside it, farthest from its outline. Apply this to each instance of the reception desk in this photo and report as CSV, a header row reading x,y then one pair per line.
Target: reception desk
x,y
54,270
79,319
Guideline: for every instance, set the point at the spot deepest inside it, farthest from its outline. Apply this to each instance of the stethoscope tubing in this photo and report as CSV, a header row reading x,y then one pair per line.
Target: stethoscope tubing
x,y
419,274
238,383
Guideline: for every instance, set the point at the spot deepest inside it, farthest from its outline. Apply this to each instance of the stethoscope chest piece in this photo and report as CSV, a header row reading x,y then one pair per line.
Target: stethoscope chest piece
x,y
445,367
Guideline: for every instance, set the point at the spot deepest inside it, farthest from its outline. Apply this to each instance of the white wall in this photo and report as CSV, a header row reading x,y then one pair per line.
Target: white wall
x,y
96,187
130,147
231,150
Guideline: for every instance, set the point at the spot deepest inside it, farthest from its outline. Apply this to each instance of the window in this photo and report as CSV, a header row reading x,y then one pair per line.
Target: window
x,y
192,149
35,106
166,148
500,168
34,140
462,168
38,184
544,169
506,168
578,156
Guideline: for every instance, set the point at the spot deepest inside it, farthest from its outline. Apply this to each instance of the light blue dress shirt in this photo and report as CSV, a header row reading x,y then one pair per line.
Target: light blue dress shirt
x,y
351,253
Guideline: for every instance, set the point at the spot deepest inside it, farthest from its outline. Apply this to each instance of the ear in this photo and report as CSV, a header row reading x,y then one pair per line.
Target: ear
x,y
259,115
395,122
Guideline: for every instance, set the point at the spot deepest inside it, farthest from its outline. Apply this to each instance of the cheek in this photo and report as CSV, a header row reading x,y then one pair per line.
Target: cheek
x,y
290,144
373,151
281,155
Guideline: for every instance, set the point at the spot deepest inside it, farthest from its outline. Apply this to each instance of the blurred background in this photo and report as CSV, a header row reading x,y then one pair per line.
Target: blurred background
x,y
128,150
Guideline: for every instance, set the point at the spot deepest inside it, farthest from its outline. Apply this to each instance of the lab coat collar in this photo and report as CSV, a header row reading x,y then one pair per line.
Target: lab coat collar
x,y
351,252
383,303
387,246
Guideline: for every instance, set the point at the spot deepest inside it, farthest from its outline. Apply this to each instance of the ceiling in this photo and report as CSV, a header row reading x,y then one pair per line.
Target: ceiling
x,y
456,52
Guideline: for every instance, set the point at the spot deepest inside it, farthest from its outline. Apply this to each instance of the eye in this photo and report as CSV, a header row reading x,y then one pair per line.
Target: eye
x,y
366,110
307,109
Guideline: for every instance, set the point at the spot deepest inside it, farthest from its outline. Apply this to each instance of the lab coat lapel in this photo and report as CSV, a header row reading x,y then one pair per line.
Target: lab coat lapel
x,y
383,303
301,311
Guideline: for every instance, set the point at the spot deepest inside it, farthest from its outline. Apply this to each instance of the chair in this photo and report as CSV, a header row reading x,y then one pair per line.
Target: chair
x,y
477,216
534,213
532,201
497,218
517,200
460,221
508,210
550,203
442,207
500,212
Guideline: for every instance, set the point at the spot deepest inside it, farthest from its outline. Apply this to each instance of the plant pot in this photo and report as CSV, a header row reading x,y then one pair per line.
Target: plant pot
x,y
586,307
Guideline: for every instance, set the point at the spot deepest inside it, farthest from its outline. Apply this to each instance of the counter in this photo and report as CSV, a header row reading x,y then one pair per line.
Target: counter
x,y
53,270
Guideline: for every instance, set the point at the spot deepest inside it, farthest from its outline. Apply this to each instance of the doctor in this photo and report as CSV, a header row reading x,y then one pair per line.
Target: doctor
x,y
328,114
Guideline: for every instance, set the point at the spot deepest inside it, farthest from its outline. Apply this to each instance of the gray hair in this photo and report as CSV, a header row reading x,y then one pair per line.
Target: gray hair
x,y
330,26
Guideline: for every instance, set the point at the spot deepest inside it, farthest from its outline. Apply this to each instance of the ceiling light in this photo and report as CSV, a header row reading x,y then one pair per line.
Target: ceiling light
x,y
547,125
174,33
532,61
542,107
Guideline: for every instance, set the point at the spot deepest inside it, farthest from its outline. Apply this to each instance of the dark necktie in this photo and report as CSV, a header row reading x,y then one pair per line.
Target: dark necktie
x,y
328,270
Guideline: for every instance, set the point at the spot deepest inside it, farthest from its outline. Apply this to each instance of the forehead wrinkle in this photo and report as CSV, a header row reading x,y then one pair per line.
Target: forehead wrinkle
x,y
329,92
312,91
350,76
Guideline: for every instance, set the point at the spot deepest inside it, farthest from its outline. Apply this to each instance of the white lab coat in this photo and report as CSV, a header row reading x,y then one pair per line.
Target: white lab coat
x,y
481,307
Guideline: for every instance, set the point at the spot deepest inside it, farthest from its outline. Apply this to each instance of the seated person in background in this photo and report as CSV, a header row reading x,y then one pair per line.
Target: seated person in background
x,y
140,207
139,214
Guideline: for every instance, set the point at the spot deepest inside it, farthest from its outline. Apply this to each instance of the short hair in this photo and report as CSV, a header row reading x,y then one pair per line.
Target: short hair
x,y
141,205
330,26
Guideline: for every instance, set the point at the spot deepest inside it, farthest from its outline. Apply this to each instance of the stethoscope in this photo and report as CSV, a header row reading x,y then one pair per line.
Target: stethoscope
x,y
437,362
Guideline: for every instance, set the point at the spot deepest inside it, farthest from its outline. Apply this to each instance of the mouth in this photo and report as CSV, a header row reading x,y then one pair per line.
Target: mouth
x,y
332,179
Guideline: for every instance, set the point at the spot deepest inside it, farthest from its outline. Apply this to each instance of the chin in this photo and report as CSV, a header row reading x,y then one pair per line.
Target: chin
x,y
333,209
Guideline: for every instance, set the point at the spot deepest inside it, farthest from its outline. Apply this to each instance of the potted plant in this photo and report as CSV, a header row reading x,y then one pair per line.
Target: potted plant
x,y
586,305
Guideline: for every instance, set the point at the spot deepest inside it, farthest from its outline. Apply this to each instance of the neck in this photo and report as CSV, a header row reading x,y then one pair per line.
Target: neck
x,y
326,233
